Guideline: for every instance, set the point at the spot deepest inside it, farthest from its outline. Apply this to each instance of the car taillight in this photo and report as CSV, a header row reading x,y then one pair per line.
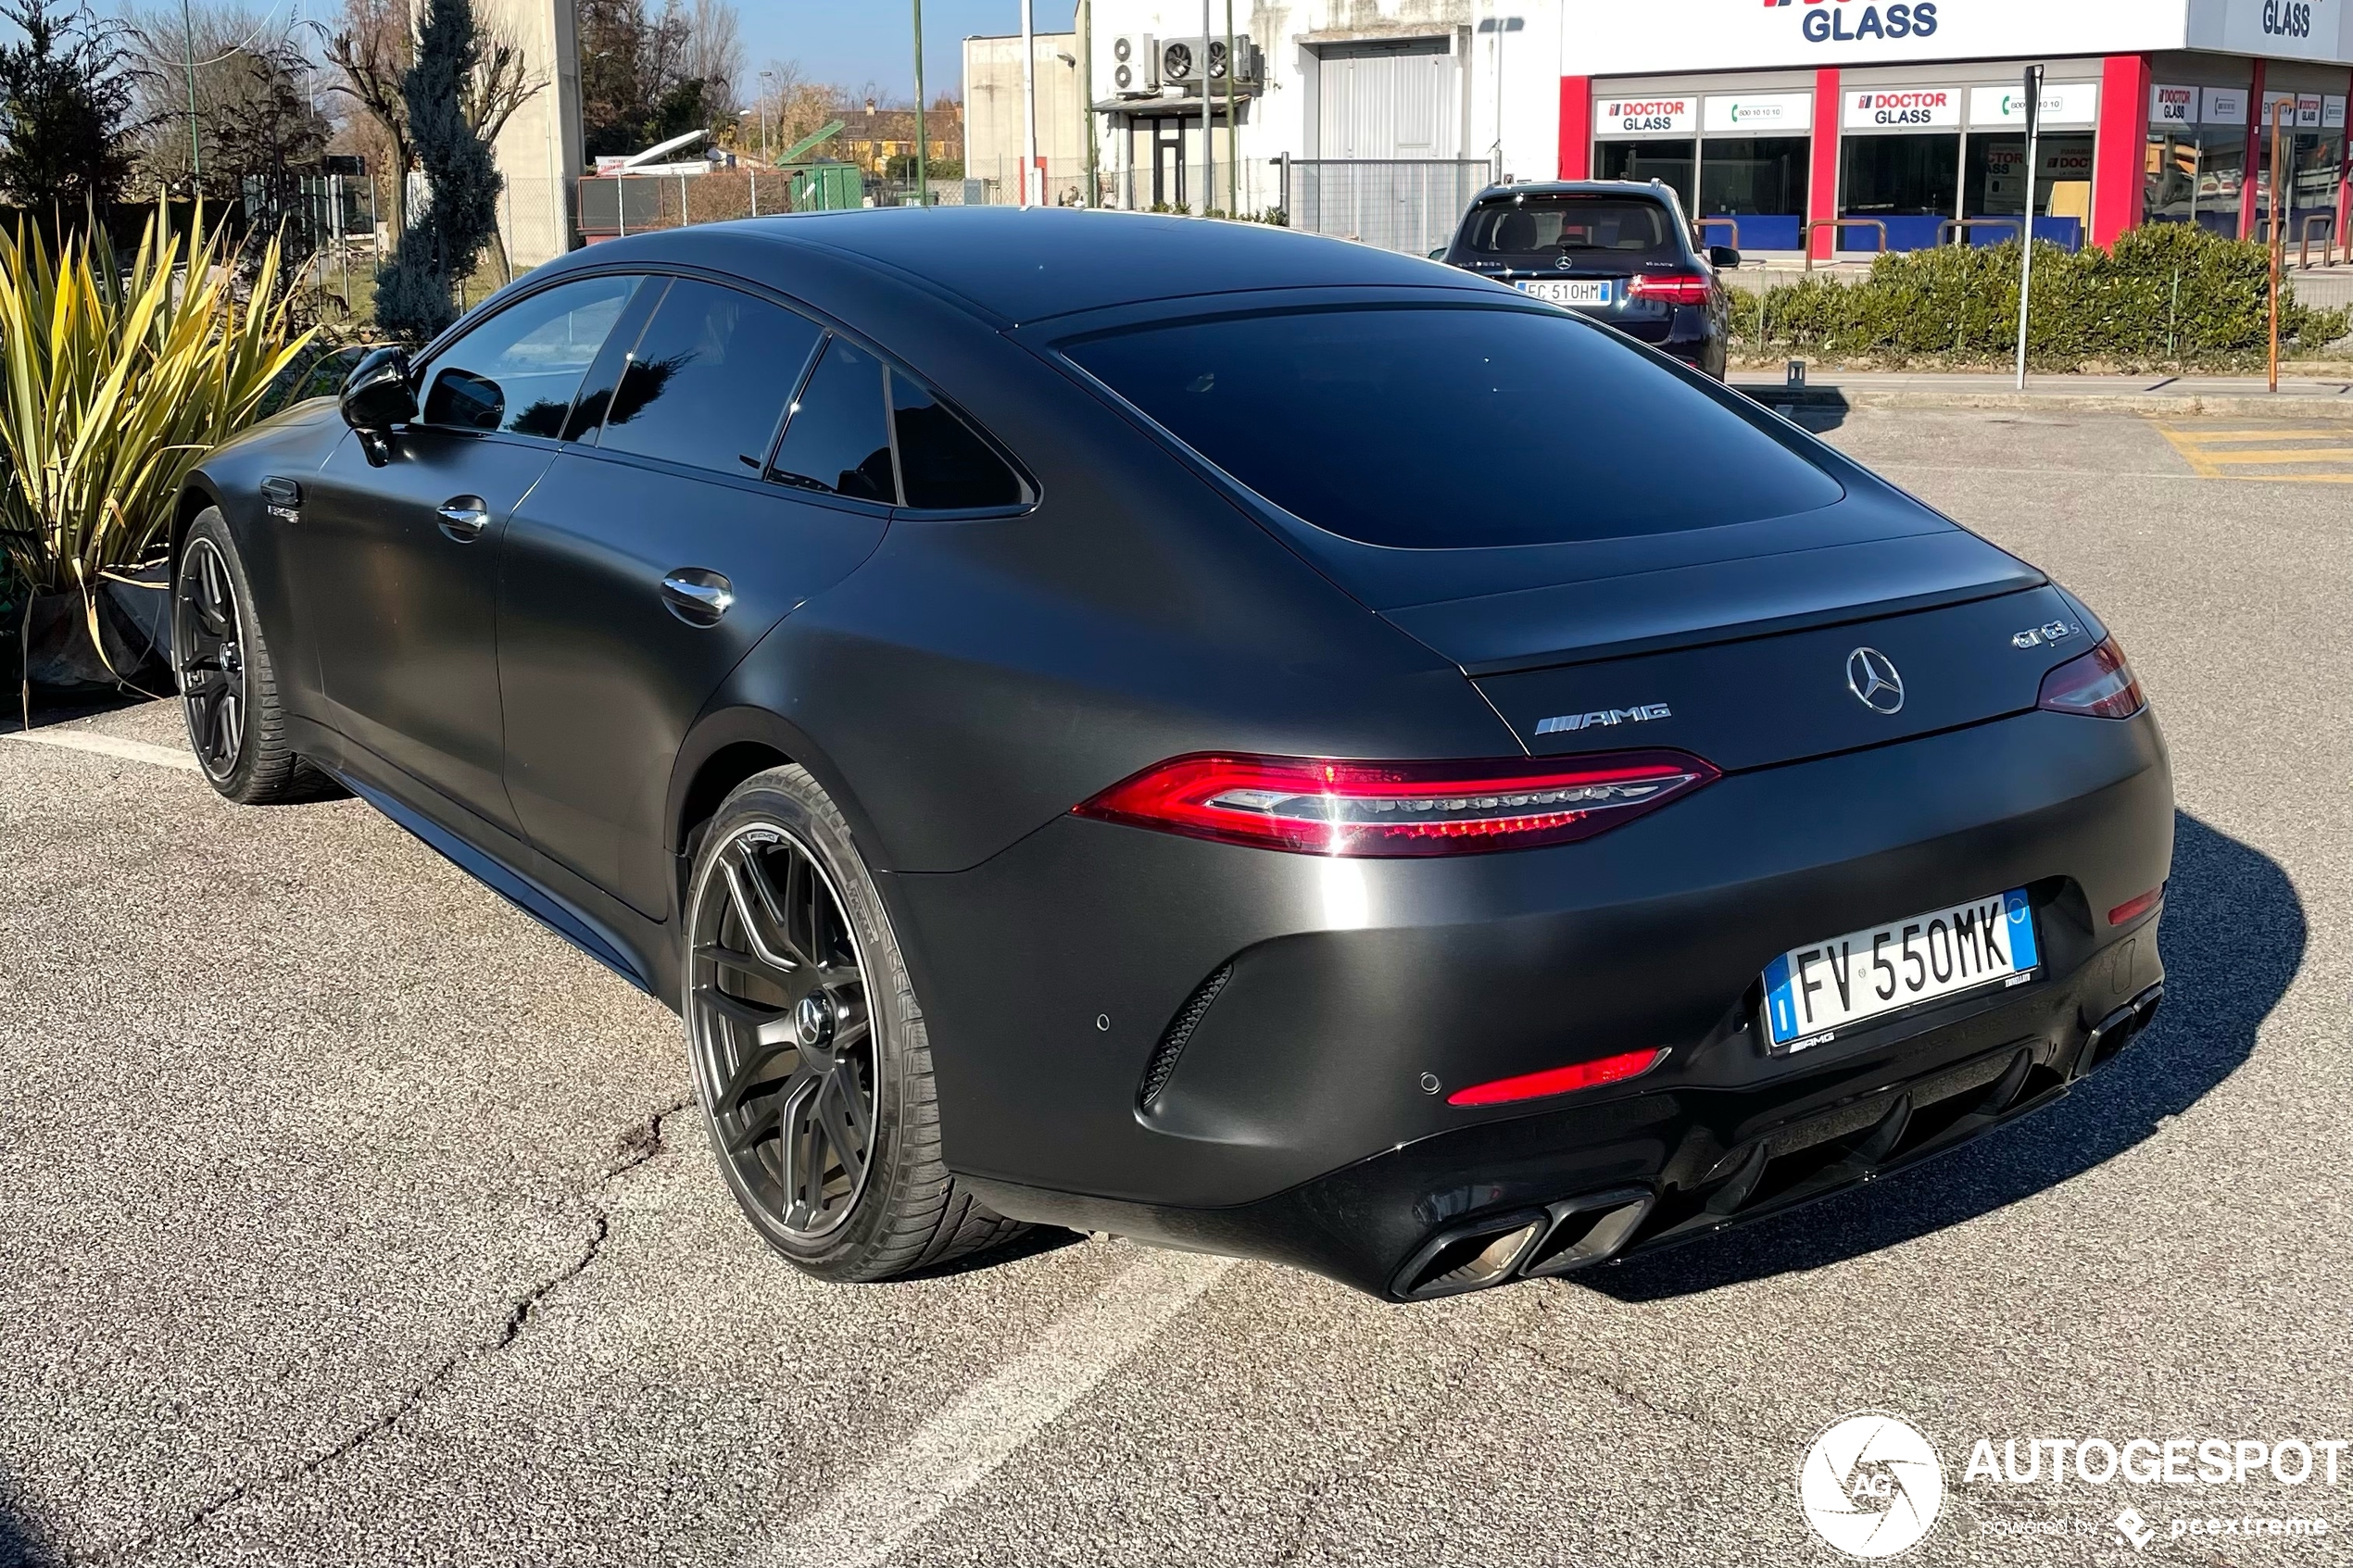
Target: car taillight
x,y
1393,809
1671,288
2099,683
1561,1080
2133,909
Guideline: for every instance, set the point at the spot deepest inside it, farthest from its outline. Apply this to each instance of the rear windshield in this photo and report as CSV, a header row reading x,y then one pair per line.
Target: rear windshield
x,y
1586,228
1455,429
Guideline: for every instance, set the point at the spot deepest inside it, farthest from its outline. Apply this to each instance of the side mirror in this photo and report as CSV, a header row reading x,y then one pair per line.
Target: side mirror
x,y
376,397
1723,255
1439,255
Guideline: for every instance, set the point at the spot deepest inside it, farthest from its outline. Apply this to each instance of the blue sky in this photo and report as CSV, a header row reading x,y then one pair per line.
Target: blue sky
x,y
850,42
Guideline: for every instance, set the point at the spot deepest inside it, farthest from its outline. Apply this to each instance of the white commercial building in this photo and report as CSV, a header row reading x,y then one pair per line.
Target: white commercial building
x,y
1856,124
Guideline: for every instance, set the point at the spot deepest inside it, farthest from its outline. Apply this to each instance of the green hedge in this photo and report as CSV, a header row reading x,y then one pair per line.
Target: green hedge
x,y
2168,295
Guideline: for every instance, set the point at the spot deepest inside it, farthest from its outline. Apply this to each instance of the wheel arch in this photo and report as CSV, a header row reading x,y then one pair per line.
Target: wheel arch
x,y
197,491
727,746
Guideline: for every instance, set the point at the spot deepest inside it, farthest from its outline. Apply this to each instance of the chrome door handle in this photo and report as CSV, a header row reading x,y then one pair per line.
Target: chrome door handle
x,y
463,518
696,595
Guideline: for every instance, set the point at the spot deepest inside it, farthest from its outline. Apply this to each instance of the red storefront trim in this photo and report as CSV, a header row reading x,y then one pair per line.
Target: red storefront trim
x,y
1822,186
2117,187
1576,128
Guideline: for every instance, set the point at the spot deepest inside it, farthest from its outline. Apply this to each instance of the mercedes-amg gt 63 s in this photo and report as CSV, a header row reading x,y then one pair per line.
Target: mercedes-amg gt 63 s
x,y
1198,732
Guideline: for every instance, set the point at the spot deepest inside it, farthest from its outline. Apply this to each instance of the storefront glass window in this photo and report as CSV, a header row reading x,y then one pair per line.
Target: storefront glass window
x,y
1993,185
2316,160
1910,183
1667,160
2195,175
1760,181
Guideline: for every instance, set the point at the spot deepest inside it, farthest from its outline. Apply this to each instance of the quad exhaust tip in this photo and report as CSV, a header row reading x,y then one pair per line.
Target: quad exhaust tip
x,y
1560,1238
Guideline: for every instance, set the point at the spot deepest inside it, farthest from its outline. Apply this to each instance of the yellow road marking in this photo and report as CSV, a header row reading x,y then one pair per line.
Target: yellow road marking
x,y
2205,437
2285,455
2197,449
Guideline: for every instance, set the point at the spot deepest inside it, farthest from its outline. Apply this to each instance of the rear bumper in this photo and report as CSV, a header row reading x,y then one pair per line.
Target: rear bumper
x,y
1295,1119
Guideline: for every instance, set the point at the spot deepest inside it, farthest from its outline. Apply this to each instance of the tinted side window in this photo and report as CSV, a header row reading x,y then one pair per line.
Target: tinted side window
x,y
518,371
1457,429
836,439
942,463
709,380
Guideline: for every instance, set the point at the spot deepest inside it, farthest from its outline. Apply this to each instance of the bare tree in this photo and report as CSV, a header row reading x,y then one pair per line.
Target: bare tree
x,y
715,54
793,106
371,52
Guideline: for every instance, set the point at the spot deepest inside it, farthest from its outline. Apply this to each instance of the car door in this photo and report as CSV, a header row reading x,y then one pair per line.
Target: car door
x,y
643,568
400,555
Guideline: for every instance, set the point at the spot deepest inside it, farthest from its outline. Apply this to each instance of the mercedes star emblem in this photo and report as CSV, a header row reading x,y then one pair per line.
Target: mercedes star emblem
x,y
1872,676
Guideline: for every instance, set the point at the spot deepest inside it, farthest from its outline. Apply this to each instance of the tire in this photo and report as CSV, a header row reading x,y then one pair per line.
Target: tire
x,y
795,1060
228,684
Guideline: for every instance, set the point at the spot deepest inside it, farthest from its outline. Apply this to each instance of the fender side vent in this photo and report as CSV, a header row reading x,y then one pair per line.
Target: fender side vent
x,y
1163,1065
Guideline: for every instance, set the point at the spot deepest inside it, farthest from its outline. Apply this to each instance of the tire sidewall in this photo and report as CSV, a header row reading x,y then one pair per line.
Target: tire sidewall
x,y
787,800
209,526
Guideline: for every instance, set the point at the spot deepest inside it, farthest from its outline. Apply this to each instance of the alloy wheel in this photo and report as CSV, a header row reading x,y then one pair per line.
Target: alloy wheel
x,y
210,655
783,1034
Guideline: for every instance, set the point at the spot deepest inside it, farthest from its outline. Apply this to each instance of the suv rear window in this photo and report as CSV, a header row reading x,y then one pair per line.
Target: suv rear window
x,y
1430,428
1587,228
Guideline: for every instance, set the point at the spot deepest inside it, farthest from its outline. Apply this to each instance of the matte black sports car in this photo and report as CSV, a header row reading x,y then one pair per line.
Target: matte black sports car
x,y
1198,732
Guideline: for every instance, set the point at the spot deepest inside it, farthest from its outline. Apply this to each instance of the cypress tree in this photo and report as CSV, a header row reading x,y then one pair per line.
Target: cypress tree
x,y
416,291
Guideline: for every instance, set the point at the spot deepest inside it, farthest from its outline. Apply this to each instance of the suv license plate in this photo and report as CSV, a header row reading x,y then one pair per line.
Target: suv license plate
x,y
1570,291
1814,991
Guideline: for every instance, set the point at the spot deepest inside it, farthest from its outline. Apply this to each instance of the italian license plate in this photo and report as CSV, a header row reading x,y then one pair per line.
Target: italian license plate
x,y
1570,291
1813,992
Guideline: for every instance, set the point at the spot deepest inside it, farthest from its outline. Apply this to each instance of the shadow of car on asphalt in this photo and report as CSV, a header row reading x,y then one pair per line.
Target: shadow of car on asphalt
x,y
20,1546
2232,937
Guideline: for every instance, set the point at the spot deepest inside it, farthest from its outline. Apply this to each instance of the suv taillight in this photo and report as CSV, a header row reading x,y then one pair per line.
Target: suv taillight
x,y
1671,288
2099,683
1316,806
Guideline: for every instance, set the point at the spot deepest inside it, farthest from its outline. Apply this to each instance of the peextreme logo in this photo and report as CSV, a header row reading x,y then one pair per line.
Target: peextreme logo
x,y
1924,107
1839,21
1870,1485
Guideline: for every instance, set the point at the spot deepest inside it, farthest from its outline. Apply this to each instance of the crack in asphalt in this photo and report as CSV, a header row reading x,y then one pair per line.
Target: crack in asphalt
x,y
637,1143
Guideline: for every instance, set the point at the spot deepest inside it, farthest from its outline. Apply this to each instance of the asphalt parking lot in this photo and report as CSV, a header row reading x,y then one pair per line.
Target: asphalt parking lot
x,y
344,1214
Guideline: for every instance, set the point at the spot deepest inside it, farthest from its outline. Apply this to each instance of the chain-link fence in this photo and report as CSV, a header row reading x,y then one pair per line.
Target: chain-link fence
x,y
1411,204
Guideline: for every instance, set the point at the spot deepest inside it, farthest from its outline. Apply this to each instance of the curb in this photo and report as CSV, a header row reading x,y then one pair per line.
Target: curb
x,y
2234,405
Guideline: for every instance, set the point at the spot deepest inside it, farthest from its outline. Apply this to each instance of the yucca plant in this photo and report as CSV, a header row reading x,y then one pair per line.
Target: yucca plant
x,y
114,380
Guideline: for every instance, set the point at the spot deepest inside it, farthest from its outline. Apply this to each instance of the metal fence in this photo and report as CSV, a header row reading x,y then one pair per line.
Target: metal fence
x,y
1397,204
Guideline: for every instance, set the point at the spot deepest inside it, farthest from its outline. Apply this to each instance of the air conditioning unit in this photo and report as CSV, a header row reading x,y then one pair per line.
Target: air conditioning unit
x,y
1134,65
1185,61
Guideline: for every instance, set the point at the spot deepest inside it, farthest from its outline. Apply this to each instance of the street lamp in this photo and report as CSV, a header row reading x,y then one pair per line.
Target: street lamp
x,y
769,75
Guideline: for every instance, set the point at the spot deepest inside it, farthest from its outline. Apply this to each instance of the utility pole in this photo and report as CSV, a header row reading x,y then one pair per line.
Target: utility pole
x,y
1028,102
195,150
1086,93
923,162
2026,249
2280,209
1208,143
1233,126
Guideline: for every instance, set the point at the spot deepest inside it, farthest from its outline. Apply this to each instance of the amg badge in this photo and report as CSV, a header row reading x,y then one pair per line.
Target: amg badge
x,y
1564,722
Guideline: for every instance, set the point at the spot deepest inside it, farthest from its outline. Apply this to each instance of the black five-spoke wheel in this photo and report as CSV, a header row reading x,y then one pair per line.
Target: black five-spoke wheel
x,y
211,653
810,1056
782,1022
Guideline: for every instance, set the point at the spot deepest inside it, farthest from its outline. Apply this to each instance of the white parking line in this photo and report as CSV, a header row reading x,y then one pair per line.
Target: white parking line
x,y
867,1519
107,745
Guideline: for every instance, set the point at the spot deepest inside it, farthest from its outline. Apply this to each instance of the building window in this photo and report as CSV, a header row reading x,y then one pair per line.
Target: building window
x,y
1758,181
1671,160
2196,174
1993,185
1908,181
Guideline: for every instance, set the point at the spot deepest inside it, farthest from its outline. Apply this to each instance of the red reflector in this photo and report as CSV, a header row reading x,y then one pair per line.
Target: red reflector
x,y
1671,288
1560,1080
2098,683
1318,807
2133,909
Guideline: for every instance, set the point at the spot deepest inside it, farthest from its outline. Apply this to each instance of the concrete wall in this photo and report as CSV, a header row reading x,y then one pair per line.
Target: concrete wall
x,y
539,151
993,112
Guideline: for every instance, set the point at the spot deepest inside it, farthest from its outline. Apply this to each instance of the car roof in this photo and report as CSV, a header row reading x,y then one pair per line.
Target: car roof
x,y
1022,265
1652,189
